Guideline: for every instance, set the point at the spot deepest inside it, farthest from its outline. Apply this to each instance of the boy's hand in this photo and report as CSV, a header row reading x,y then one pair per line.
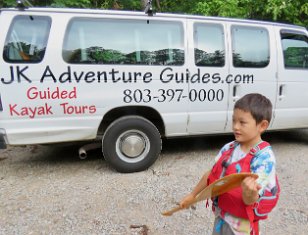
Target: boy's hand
x,y
186,201
250,190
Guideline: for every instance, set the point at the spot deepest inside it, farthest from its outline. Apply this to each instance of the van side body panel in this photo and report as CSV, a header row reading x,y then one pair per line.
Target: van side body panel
x,y
64,91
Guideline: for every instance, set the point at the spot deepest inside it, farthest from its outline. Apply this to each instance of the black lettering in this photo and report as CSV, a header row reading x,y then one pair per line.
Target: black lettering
x,y
66,76
127,96
48,73
12,76
89,75
248,78
78,77
147,77
237,79
179,78
187,75
229,78
216,78
21,74
220,94
99,74
113,73
211,95
136,75
168,78
128,79
206,78
196,77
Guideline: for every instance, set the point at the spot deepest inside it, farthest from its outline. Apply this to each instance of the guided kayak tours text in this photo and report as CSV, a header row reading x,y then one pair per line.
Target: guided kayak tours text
x,y
47,109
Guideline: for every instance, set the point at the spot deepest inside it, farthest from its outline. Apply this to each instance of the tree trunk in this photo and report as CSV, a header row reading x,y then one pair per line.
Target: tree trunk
x,y
158,5
115,5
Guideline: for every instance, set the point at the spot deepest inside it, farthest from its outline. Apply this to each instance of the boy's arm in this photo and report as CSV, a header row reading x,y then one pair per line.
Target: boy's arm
x,y
264,166
198,188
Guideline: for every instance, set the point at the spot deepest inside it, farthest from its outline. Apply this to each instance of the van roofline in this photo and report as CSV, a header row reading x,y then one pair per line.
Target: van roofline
x,y
143,14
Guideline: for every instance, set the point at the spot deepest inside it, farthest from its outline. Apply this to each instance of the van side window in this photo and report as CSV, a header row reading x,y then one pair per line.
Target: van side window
x,y
295,50
27,39
250,47
209,45
116,41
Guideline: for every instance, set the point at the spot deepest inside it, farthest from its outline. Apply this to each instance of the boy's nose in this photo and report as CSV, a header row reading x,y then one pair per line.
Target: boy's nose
x,y
235,126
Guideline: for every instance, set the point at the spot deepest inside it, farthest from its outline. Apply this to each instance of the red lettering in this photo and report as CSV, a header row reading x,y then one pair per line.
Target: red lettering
x,y
81,109
31,93
92,109
31,112
13,111
47,94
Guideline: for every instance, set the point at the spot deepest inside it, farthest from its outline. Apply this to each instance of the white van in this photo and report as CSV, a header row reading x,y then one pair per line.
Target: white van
x,y
128,79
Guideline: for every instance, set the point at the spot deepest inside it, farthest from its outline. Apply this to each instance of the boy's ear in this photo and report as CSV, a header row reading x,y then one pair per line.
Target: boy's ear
x,y
263,125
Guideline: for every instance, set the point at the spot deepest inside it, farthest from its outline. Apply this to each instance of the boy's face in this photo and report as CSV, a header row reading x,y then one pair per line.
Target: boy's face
x,y
245,128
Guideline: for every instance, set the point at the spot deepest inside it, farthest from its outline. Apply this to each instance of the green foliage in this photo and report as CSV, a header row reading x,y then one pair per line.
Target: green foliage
x,y
229,8
177,6
289,11
72,3
8,3
107,4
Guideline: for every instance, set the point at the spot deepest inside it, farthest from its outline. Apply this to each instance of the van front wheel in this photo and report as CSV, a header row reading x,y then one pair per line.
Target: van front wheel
x,y
131,144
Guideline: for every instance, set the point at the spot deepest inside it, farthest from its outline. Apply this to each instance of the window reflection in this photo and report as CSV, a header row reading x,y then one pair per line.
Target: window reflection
x,y
250,47
104,41
209,45
295,50
27,39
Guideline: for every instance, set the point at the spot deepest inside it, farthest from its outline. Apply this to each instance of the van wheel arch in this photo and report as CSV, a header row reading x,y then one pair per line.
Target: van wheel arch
x,y
143,111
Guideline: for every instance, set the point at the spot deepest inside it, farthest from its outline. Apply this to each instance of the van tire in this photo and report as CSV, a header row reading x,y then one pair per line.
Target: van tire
x,y
131,144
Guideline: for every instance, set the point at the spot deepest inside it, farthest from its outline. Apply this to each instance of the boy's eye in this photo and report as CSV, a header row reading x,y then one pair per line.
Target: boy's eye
x,y
241,122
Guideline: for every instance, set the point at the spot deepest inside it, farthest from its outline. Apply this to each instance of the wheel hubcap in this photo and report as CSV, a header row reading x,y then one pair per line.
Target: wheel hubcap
x,y
132,145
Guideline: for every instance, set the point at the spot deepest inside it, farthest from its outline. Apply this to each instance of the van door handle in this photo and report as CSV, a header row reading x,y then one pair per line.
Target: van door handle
x,y
235,93
1,107
282,91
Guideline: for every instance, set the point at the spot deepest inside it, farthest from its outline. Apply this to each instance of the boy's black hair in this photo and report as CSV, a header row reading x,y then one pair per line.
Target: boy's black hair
x,y
258,105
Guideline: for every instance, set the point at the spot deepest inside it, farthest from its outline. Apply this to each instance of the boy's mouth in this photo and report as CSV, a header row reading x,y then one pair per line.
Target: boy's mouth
x,y
236,134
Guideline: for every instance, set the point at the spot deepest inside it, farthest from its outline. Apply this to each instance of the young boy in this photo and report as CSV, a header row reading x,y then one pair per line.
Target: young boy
x,y
238,211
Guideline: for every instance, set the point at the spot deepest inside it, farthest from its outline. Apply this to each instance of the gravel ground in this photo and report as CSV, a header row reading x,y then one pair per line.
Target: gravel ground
x,y
49,190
